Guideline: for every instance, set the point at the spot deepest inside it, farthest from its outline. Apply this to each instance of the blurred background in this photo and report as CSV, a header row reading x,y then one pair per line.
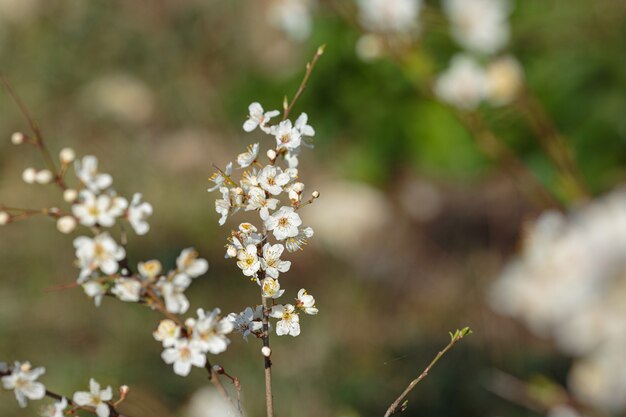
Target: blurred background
x,y
417,223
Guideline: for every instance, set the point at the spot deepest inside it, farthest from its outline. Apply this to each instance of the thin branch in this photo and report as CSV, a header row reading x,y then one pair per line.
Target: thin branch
x,y
454,338
269,400
288,106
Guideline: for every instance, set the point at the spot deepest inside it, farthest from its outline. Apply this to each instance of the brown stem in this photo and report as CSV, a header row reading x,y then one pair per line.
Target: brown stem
x,y
288,106
393,408
269,400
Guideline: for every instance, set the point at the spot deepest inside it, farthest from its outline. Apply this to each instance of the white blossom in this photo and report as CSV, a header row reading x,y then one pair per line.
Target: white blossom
x,y
246,159
210,331
248,261
257,200
189,263
44,176
174,293
96,290
23,381
283,223
257,117
138,213
271,263
127,289
99,210
271,288
67,156
100,252
248,321
55,410
29,175
87,172
95,398
65,224
505,78
219,178
184,354
150,269
306,302
389,16
303,127
167,333
291,16
287,136
479,25
463,84
289,323
5,218
272,179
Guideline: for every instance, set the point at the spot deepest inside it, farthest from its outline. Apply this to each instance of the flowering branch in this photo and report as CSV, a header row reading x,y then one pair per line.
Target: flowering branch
x,y
287,107
454,338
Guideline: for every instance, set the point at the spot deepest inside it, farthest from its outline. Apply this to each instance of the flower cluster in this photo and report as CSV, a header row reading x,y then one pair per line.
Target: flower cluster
x,y
569,282
22,379
481,27
260,190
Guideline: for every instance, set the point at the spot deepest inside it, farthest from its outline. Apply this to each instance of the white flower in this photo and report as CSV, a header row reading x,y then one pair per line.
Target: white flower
x,y
174,293
248,321
306,302
303,127
479,25
389,15
271,262
271,288
247,158
504,80
127,289
257,200
287,136
291,16
257,117
167,333
5,218
248,261
272,179
95,398
219,178
150,269
100,252
44,176
138,213
183,355
29,175
101,210
295,192
289,322
189,263
231,201
56,409
210,331
284,223
463,84
96,290
67,156
65,224
87,172
23,381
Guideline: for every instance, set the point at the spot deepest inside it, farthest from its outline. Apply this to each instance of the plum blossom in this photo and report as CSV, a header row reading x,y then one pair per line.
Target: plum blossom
x,y
272,179
189,263
306,302
303,127
184,354
246,159
173,293
257,200
294,244
101,210
249,261
127,289
167,333
56,409
271,262
271,288
100,252
292,17
210,331
248,321
138,213
289,323
505,78
389,16
23,381
96,290
463,84
219,177
95,398
257,117
150,269
287,136
283,223
87,172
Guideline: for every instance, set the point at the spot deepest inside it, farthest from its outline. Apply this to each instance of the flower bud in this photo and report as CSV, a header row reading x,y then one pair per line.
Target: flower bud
x,y
4,218
70,195
266,351
66,224
29,175
43,177
315,194
271,154
124,390
17,138
67,156
231,251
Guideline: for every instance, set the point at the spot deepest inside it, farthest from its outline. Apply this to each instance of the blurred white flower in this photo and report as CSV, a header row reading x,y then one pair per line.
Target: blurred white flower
x,y
184,354
246,158
167,333
95,398
100,252
189,263
138,213
87,172
174,293
219,178
127,289
291,16
23,381
248,321
389,16
258,117
96,290
150,269
122,96
505,78
463,84
479,25
55,410
210,331
99,210
289,323
65,224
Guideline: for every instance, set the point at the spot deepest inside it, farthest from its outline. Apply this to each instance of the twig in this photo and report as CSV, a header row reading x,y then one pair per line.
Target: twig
x,y
393,408
269,400
288,106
